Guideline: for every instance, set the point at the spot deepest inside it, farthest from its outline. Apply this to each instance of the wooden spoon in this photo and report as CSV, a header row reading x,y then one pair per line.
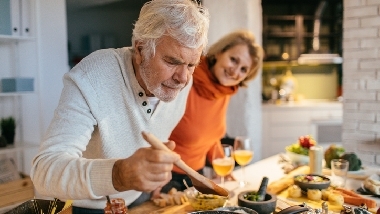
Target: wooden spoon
x,y
200,182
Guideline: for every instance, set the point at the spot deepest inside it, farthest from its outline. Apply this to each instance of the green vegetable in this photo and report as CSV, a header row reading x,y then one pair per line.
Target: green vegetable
x,y
333,152
298,149
251,196
352,158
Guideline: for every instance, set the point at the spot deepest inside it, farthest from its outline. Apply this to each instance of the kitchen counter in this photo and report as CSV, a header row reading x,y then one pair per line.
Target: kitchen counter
x,y
317,103
271,168
254,173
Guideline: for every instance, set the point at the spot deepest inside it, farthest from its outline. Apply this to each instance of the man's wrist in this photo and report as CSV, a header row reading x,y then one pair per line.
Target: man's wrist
x,y
115,176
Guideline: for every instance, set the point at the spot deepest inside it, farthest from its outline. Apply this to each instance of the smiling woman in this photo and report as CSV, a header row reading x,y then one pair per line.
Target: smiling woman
x,y
229,63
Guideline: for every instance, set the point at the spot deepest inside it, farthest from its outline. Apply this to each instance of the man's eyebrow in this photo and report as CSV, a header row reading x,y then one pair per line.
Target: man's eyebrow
x,y
173,60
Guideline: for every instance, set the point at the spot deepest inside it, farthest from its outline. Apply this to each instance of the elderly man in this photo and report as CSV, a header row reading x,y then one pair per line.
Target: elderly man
x,y
93,147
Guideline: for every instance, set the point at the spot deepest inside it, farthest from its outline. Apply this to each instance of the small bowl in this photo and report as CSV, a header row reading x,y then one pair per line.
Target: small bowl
x,y
313,184
297,158
207,203
237,209
263,207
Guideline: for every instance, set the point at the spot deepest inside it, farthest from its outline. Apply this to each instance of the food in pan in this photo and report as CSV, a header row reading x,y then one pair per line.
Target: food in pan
x,y
201,201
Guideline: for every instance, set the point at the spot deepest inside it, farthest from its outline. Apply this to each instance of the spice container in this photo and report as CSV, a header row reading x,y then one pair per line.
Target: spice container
x,y
117,206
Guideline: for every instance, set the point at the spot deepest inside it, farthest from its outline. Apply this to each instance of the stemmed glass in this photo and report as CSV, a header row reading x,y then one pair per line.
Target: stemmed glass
x,y
243,154
224,166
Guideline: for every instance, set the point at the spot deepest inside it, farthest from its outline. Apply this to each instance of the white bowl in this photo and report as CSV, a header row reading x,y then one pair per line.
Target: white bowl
x,y
297,158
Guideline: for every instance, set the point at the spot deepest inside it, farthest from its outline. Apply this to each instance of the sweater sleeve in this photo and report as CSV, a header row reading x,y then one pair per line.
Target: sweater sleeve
x,y
59,170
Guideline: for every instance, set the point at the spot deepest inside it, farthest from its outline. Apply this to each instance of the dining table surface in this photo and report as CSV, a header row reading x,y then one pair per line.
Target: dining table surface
x,y
272,169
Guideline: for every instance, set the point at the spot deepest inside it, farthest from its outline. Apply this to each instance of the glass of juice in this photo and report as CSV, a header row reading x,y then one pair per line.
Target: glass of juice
x,y
243,154
224,165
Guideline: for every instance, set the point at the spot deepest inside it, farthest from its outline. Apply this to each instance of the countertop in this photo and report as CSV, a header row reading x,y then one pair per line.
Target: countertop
x,y
318,103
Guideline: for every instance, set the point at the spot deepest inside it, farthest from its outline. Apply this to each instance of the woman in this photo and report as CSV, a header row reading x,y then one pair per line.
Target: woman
x,y
229,64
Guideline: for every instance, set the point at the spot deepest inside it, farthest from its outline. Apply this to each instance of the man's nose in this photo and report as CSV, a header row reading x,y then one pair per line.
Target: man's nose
x,y
181,75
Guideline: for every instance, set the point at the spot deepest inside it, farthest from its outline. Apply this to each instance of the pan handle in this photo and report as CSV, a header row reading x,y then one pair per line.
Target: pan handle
x,y
293,210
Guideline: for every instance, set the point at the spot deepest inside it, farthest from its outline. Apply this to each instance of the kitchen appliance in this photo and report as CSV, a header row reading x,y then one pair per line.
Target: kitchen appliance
x,y
315,57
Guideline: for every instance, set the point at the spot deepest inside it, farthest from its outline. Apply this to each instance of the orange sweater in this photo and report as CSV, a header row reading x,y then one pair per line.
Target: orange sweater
x,y
198,133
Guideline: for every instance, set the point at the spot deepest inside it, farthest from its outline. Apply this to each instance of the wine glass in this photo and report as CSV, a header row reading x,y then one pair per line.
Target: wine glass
x,y
223,166
243,154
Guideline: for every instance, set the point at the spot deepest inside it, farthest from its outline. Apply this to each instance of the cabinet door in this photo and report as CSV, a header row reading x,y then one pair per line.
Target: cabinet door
x,y
10,17
25,6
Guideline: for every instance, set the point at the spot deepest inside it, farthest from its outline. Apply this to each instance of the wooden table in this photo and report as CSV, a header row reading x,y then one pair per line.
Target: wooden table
x,y
254,173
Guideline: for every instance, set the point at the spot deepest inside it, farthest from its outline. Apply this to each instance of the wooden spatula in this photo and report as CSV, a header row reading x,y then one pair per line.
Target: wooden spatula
x,y
201,183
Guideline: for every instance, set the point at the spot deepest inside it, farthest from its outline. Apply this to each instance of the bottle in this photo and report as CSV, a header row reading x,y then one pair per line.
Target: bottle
x,y
262,189
117,206
315,162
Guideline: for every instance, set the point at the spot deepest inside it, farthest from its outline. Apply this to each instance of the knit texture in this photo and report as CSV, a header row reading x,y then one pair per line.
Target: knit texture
x,y
99,119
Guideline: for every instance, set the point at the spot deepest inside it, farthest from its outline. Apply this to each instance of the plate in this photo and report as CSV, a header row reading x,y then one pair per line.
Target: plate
x,y
360,171
364,191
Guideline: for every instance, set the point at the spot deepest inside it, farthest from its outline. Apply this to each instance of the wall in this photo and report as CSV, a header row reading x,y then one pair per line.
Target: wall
x,y
361,79
113,22
313,81
244,112
38,109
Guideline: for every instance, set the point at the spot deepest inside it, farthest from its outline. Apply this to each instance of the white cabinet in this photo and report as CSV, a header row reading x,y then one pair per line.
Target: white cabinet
x,y
283,124
19,59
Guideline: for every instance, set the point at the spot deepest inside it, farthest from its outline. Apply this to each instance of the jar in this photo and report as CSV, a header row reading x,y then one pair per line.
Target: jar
x,y
315,162
117,206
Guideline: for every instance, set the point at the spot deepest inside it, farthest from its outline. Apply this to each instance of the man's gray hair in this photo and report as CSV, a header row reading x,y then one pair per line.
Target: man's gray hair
x,y
184,20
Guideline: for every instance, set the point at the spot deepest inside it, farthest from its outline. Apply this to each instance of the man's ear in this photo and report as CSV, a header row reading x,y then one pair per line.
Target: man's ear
x,y
138,54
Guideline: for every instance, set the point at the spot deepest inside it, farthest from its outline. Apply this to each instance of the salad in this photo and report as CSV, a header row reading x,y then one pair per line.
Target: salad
x,y
302,145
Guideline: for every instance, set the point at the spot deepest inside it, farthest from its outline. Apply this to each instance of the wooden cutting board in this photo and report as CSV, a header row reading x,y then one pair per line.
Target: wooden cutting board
x,y
149,208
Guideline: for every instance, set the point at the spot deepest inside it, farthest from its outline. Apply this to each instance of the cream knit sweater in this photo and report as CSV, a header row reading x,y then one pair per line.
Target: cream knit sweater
x,y
99,119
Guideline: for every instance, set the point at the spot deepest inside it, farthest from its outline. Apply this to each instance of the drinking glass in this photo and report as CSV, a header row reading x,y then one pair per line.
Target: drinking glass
x,y
224,166
243,154
339,169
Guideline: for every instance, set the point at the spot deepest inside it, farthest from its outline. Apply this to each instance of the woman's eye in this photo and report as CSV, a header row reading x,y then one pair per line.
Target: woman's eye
x,y
233,59
244,70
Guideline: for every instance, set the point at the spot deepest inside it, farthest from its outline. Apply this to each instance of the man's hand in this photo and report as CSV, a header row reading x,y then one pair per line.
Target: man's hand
x,y
146,170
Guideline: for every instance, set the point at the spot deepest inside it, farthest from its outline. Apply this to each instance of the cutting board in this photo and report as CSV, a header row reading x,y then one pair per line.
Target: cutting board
x,y
149,208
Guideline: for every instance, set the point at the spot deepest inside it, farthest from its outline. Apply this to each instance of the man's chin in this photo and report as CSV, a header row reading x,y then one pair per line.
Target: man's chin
x,y
168,97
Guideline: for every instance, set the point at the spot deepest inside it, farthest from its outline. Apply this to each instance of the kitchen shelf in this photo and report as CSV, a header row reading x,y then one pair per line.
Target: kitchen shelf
x,y
12,94
293,34
8,38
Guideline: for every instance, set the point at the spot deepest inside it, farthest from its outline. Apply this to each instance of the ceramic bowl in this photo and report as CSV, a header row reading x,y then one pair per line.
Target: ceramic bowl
x,y
297,158
311,181
263,207
201,202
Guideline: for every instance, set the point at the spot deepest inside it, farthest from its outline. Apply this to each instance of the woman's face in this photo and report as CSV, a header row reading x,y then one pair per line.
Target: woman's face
x,y
232,66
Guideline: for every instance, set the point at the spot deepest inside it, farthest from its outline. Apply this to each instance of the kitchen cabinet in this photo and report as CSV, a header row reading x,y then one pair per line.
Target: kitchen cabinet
x,y
283,124
290,28
286,37
19,59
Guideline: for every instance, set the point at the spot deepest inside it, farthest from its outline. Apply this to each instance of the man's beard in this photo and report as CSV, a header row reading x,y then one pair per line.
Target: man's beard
x,y
163,93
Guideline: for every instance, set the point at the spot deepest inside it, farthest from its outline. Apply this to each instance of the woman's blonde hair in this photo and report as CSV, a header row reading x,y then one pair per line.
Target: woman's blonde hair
x,y
184,20
232,39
